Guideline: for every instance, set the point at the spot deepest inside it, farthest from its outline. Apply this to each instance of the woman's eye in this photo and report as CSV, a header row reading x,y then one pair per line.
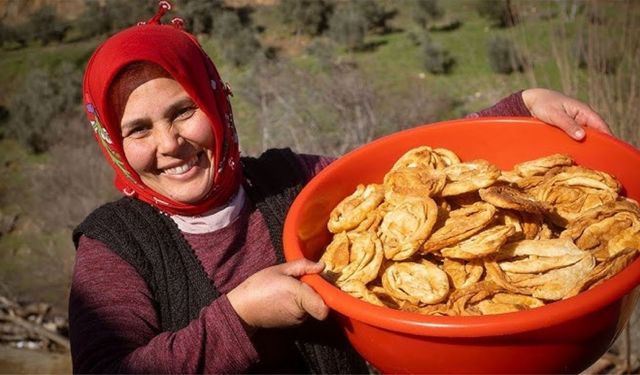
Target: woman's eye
x,y
185,113
136,132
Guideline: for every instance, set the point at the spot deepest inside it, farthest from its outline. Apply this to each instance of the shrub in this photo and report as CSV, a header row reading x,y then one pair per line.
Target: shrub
x,y
437,60
426,11
305,16
240,45
199,15
348,26
499,12
45,26
503,56
40,107
376,14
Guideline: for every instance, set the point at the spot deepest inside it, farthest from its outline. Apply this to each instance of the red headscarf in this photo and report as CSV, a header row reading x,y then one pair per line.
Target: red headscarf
x,y
179,53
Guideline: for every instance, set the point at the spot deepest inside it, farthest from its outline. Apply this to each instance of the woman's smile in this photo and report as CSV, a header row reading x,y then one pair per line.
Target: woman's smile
x,y
184,168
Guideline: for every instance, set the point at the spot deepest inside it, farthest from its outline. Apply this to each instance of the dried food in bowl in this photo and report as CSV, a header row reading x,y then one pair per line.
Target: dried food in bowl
x,y
565,336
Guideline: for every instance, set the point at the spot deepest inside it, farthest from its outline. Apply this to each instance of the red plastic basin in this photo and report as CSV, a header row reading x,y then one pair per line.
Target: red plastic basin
x,y
562,337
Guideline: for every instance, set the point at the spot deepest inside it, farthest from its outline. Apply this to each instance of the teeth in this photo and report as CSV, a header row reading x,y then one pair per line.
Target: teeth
x,y
182,168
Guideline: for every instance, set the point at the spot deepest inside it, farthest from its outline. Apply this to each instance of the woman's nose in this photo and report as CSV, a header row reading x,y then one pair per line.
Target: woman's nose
x,y
169,140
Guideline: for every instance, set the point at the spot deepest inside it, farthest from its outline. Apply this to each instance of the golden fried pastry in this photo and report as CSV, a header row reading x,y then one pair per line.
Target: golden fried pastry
x,y
424,157
406,226
544,269
502,303
359,290
604,230
463,273
576,190
365,259
336,256
413,182
352,210
461,299
540,166
469,176
445,237
418,283
605,270
459,225
513,199
479,245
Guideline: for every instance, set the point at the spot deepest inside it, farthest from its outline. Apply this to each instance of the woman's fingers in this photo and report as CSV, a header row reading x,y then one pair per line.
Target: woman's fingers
x,y
586,116
301,267
311,302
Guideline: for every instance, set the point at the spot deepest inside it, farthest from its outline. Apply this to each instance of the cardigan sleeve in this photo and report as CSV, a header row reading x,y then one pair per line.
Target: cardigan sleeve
x,y
512,105
114,325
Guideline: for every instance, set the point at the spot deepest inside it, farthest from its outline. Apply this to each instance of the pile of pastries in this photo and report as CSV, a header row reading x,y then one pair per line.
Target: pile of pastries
x,y
442,236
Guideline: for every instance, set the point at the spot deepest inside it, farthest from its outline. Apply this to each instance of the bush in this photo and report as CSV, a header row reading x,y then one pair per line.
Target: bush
x,y
499,12
199,15
437,60
305,16
376,14
426,11
42,105
45,26
503,56
239,45
111,16
348,26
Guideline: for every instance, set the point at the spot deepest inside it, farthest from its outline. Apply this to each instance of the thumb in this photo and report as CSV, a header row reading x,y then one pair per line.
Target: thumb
x,y
562,120
301,267
311,302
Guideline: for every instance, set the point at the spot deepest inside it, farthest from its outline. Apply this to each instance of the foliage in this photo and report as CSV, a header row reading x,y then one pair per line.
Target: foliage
x,y
305,16
504,56
239,45
437,60
348,25
45,26
41,106
111,16
376,14
200,15
500,12
426,11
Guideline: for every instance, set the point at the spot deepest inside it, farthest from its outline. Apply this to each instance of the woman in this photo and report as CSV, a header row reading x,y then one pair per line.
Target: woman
x,y
185,273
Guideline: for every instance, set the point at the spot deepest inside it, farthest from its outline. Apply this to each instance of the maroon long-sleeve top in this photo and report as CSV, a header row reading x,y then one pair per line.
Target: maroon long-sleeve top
x,y
113,319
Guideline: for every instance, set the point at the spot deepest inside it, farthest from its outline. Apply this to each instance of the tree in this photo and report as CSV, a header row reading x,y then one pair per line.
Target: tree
x,y
239,45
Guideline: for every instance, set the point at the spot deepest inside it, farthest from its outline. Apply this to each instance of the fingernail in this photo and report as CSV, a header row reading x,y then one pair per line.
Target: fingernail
x,y
578,134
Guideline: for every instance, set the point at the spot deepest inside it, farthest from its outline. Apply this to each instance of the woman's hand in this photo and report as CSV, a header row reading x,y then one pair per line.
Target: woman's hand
x,y
274,297
564,112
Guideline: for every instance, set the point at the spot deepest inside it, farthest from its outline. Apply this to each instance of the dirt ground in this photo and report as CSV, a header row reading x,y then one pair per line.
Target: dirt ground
x,y
24,361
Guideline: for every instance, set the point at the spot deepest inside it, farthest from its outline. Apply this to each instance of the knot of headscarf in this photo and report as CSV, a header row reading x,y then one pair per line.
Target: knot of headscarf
x,y
180,54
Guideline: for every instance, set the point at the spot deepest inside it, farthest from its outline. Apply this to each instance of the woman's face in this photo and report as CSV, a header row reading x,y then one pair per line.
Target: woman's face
x,y
168,140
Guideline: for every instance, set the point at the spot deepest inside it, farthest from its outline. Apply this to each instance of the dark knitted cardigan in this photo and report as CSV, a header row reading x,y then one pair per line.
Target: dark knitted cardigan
x,y
152,243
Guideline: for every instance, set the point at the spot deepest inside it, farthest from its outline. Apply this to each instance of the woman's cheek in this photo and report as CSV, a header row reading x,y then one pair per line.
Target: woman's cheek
x,y
139,156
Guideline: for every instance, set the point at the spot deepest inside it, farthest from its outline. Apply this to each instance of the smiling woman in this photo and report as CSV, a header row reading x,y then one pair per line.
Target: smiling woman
x,y
186,272
167,139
